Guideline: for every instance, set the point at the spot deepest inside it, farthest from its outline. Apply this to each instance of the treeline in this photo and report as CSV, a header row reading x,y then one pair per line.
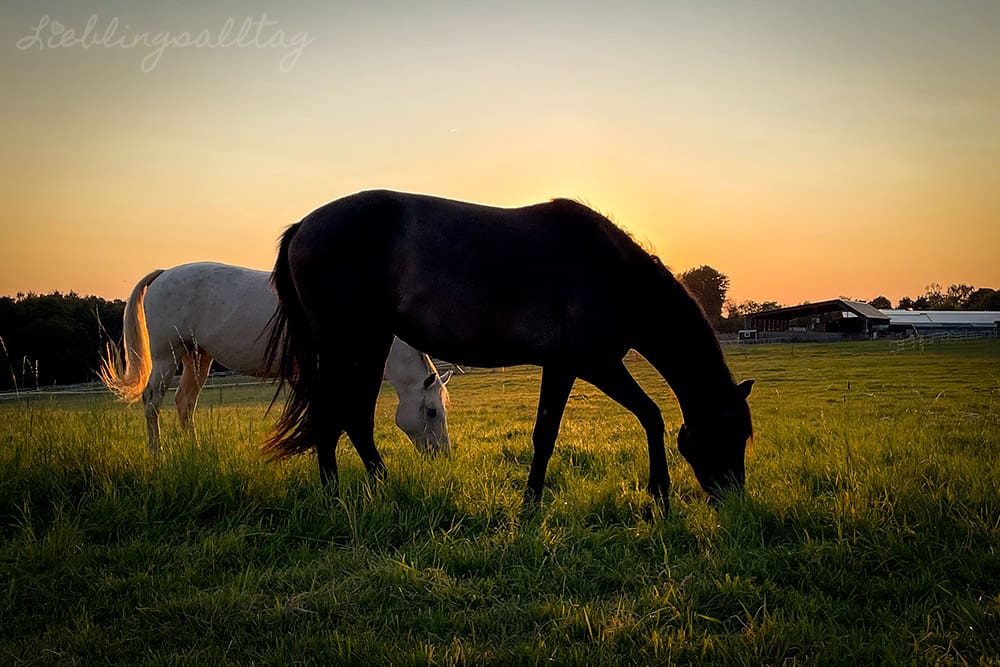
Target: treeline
x,y
54,338
59,338
956,297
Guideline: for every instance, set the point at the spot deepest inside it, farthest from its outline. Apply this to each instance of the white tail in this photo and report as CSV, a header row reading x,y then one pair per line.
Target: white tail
x,y
129,382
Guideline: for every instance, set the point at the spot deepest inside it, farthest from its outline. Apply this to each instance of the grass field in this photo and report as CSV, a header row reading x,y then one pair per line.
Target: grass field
x,y
870,532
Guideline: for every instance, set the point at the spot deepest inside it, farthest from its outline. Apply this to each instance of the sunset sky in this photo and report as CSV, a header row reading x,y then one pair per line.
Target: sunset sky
x,y
808,150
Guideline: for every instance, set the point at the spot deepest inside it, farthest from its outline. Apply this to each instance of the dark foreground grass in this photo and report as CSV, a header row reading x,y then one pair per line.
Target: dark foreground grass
x,y
869,534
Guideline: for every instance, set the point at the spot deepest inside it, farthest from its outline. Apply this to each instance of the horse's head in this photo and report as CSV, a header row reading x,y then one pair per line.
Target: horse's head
x,y
422,414
715,447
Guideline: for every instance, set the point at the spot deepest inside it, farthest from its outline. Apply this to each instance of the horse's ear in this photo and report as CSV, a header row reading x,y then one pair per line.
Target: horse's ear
x,y
446,377
429,380
743,389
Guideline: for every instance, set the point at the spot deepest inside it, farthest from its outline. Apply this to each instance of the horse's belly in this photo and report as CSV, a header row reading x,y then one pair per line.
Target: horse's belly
x,y
490,337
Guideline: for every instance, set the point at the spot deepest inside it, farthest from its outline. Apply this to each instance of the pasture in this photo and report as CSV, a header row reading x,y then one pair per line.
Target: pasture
x,y
870,531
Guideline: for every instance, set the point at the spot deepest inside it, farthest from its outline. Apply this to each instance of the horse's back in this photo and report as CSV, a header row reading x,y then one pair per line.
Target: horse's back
x,y
468,282
418,232
218,307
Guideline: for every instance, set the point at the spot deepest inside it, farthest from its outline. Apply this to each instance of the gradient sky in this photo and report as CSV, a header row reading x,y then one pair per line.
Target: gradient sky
x,y
806,149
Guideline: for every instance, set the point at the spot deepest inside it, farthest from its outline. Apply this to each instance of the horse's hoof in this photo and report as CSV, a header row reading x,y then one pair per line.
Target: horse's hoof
x,y
659,507
530,504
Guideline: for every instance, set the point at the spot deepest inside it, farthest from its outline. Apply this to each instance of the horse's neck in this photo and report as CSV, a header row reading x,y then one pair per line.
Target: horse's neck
x,y
406,367
685,351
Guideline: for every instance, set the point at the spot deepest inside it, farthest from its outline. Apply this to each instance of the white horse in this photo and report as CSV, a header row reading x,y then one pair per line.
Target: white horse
x,y
200,312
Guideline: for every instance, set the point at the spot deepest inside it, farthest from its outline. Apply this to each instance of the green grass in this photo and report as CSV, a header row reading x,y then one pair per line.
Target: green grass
x,y
870,532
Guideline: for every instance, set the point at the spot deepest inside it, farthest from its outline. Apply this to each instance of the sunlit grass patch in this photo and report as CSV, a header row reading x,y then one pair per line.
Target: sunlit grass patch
x,y
868,532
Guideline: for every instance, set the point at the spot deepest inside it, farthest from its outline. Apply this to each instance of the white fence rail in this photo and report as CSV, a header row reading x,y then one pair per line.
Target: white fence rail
x,y
919,342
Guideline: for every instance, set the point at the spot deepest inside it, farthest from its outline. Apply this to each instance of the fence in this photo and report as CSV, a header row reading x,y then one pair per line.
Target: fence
x,y
920,341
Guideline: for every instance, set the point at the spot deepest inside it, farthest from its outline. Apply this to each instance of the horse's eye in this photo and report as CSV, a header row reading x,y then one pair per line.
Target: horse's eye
x,y
432,413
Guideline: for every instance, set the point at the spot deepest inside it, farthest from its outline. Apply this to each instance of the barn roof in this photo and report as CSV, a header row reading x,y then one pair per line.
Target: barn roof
x,y
858,308
940,318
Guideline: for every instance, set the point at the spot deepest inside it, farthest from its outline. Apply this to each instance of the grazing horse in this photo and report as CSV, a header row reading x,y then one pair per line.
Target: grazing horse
x,y
554,284
197,313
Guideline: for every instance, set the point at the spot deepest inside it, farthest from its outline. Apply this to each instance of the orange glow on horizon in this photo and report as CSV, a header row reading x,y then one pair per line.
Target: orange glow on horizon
x,y
807,152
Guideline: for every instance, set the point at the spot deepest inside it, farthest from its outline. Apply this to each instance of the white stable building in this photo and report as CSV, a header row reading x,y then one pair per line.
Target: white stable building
x,y
926,322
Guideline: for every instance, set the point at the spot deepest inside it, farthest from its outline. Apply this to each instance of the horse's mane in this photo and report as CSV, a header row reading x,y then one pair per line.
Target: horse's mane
x,y
606,219
641,251
656,272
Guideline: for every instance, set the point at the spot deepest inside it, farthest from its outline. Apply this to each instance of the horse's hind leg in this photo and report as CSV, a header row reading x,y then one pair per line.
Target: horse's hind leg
x,y
615,381
152,397
326,457
364,379
196,366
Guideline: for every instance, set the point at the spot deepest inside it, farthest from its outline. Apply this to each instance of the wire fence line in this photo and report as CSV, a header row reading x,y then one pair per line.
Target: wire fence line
x,y
220,380
228,379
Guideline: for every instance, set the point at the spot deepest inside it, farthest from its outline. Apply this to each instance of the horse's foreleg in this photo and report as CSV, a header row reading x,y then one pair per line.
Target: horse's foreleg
x,y
556,385
615,381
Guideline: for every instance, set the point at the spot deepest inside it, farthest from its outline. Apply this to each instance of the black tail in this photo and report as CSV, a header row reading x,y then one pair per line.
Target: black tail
x,y
292,353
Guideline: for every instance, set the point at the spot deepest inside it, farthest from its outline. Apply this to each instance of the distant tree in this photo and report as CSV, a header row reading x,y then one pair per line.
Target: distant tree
x,y
934,298
906,303
737,313
746,308
983,298
880,302
959,295
709,286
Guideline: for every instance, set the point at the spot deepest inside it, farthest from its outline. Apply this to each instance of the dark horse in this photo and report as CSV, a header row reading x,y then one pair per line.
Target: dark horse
x,y
555,284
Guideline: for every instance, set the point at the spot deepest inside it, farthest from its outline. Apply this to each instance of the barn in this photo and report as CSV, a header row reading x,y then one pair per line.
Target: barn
x,y
836,319
844,319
